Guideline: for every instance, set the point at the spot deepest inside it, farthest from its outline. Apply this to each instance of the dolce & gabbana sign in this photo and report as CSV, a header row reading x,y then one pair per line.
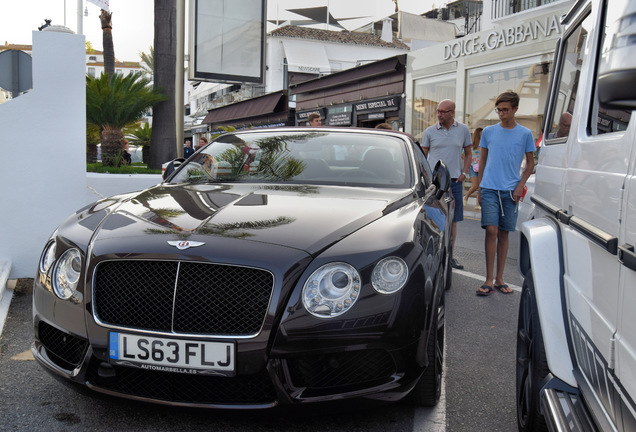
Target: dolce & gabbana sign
x,y
508,36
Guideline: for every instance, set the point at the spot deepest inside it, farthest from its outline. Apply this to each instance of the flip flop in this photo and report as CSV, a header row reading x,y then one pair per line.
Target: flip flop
x,y
501,289
486,293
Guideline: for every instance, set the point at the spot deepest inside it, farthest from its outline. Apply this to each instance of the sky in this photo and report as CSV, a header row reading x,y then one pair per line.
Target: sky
x,y
133,20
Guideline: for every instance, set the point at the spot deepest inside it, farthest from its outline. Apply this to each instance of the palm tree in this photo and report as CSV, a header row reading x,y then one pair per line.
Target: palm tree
x,y
112,103
164,134
109,50
148,60
141,137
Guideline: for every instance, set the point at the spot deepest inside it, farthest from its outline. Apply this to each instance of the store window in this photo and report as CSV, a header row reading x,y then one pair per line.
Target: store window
x,y
527,77
428,93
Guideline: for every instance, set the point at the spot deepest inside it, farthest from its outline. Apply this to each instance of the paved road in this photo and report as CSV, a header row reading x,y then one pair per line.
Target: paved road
x,y
478,388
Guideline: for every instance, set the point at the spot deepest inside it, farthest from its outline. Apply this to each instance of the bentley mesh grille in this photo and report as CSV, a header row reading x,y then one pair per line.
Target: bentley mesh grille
x,y
184,388
341,369
63,349
185,297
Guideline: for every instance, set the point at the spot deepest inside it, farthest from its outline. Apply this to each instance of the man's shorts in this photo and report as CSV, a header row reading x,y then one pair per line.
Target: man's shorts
x,y
457,189
498,209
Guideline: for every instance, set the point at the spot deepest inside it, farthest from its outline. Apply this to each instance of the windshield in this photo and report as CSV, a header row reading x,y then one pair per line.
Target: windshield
x,y
311,157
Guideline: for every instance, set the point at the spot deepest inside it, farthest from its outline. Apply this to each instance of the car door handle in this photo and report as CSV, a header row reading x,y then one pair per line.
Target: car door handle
x,y
627,256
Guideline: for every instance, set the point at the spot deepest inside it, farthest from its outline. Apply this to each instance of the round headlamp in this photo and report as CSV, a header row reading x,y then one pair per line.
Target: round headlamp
x,y
66,273
331,290
389,275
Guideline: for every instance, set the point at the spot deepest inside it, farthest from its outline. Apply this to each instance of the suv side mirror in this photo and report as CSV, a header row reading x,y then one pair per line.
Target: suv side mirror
x,y
617,63
441,179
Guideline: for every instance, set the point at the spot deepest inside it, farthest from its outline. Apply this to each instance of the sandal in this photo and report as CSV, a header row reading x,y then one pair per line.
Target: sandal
x,y
485,293
504,289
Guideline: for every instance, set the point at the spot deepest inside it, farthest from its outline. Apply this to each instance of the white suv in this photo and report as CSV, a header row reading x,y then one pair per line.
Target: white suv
x,y
576,346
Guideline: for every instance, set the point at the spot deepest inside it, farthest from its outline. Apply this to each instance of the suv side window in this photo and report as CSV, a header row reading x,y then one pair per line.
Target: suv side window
x,y
603,120
574,50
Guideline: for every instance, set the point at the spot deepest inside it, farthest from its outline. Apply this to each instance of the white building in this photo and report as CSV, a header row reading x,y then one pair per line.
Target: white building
x,y
94,64
513,51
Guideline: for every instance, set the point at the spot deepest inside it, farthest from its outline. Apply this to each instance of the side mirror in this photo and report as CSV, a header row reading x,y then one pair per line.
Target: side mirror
x,y
617,63
441,179
171,166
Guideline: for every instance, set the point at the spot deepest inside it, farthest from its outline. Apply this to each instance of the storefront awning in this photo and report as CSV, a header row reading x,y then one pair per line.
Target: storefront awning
x,y
255,107
306,57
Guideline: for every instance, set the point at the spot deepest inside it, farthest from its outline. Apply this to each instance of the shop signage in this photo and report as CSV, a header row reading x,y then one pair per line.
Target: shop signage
x,y
303,115
376,116
508,36
387,104
339,116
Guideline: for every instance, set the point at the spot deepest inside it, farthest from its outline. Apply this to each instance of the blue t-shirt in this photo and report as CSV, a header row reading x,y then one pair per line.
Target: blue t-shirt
x,y
506,150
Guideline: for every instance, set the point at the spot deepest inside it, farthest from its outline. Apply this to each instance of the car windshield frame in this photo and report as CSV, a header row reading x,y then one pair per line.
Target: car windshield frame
x,y
302,156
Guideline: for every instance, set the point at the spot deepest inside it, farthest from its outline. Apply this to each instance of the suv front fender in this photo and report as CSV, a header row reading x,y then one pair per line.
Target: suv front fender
x,y
540,252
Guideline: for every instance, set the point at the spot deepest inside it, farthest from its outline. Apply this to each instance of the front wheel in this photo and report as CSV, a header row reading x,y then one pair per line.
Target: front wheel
x,y
429,389
532,365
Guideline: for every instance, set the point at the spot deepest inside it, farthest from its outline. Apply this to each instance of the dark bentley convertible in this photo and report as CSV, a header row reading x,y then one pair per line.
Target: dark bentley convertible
x,y
274,266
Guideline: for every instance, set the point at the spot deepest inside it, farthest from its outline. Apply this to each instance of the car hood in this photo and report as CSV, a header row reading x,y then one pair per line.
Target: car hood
x,y
304,217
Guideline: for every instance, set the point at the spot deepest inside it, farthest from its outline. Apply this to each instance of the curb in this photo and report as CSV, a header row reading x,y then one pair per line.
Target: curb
x,y
6,291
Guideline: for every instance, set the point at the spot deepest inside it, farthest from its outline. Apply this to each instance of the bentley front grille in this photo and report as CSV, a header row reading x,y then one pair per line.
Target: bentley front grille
x,y
182,297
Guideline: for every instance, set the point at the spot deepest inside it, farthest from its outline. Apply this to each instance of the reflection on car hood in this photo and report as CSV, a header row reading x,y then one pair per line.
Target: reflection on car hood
x,y
299,216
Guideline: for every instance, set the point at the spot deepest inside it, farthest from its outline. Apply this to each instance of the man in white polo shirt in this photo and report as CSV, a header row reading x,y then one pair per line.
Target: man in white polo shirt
x,y
446,141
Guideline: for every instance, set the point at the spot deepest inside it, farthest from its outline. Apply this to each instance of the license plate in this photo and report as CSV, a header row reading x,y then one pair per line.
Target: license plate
x,y
172,355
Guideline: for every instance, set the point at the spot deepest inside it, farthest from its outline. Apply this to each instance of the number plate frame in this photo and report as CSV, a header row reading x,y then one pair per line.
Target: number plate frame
x,y
172,355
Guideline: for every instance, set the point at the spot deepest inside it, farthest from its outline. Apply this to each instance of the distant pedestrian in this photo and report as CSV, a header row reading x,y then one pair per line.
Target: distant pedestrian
x,y
446,141
473,170
314,119
187,149
503,147
383,126
202,142
126,158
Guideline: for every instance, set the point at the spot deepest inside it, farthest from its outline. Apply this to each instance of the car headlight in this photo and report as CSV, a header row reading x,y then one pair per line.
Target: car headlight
x,y
389,275
331,290
48,258
66,273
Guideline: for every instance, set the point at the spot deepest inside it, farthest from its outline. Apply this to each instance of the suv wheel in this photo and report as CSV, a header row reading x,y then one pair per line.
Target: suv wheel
x,y
532,365
428,390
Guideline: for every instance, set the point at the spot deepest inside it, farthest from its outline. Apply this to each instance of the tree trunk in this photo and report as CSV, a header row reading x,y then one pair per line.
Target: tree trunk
x,y
91,153
112,146
109,50
163,140
145,154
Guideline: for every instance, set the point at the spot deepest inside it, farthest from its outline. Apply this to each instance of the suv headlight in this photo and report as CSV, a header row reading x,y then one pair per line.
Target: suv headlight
x,y
331,290
389,275
66,273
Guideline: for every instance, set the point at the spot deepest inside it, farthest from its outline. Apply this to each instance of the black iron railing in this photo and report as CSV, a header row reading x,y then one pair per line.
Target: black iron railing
x,y
503,8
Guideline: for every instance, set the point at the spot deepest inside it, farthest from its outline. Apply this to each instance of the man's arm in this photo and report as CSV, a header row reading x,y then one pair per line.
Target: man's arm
x,y
468,157
518,192
482,167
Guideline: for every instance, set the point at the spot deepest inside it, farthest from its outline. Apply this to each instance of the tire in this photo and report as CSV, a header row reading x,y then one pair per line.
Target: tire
x,y
532,365
449,274
429,388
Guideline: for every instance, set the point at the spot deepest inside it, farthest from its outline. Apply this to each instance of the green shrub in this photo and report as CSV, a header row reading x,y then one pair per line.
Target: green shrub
x,y
135,168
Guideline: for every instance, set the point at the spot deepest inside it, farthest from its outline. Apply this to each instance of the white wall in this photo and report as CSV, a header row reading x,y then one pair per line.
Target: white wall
x,y
43,148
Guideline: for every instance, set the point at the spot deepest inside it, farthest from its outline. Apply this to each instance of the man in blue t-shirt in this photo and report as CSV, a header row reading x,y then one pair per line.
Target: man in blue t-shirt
x,y
503,148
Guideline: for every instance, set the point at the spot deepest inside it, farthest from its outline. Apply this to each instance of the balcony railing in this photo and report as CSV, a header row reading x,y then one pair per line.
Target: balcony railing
x,y
504,8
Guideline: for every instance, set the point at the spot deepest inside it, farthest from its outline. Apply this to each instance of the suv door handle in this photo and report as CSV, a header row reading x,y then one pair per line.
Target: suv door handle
x,y
627,256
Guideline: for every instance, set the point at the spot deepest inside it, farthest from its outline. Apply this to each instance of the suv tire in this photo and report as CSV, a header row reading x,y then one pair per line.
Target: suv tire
x,y
532,365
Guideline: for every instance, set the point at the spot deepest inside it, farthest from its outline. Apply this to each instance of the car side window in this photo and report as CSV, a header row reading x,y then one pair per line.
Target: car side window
x,y
604,120
573,52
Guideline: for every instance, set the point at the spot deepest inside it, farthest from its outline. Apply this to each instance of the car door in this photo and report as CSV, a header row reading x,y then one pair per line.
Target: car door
x,y
626,330
597,161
